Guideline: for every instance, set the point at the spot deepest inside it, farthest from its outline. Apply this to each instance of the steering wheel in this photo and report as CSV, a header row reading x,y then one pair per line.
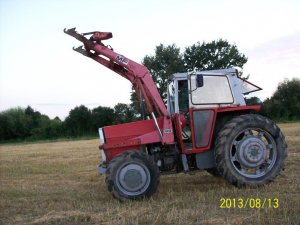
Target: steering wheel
x,y
184,119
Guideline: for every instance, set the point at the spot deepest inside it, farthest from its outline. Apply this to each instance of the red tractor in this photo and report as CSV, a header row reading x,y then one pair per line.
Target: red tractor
x,y
205,126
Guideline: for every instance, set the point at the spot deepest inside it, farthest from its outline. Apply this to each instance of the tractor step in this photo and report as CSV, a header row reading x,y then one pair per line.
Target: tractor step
x,y
102,168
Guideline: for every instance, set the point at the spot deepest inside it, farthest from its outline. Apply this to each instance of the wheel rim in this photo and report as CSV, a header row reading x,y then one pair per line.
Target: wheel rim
x,y
253,152
133,179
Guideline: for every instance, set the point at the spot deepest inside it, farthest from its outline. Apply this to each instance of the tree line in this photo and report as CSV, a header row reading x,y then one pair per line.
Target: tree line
x,y
27,123
284,105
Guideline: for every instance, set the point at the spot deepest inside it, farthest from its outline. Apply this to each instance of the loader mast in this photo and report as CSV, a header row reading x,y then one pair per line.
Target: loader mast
x,y
136,73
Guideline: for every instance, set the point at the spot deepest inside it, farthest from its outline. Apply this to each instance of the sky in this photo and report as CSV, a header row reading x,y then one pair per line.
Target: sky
x,y
39,68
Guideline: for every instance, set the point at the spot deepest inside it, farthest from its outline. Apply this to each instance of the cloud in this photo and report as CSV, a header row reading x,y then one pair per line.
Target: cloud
x,y
272,62
286,49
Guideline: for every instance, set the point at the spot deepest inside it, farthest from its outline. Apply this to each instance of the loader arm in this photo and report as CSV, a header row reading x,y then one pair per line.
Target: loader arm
x,y
136,73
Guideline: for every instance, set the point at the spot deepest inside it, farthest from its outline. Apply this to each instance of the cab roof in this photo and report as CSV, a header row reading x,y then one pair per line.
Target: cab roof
x,y
210,72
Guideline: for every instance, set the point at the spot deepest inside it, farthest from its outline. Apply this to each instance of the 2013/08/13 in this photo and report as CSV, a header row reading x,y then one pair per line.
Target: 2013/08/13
x,y
253,203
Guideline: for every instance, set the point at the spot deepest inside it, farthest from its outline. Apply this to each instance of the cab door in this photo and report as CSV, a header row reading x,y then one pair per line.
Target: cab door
x,y
202,123
207,93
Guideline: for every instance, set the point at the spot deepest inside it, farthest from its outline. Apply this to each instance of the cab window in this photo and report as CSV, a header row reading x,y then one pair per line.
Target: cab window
x,y
171,98
183,95
215,90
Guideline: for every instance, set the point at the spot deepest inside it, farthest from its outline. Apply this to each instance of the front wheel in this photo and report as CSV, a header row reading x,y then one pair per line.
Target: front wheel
x,y
132,175
250,150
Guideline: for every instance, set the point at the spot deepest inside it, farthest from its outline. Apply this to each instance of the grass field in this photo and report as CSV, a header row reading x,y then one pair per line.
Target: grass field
x,y
57,183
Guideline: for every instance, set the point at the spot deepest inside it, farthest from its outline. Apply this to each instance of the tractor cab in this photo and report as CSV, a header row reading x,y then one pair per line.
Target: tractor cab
x,y
195,98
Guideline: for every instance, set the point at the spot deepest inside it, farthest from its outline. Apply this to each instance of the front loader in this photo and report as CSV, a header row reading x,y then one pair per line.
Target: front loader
x,y
205,126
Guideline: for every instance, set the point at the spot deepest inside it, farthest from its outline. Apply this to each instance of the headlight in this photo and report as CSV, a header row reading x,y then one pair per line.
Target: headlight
x,y
102,141
101,135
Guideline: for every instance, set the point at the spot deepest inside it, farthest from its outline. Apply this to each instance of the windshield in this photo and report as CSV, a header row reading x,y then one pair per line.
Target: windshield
x,y
215,90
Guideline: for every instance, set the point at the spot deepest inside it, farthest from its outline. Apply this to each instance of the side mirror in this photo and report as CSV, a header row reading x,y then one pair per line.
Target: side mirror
x,y
199,80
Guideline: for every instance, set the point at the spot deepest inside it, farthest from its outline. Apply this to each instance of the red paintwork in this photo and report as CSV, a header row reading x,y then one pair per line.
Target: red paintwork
x,y
216,110
182,120
255,108
136,73
130,131
178,131
130,136
100,36
195,149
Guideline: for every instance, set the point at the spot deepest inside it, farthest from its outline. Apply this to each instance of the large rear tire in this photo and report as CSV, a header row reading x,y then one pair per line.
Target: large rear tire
x,y
132,175
250,150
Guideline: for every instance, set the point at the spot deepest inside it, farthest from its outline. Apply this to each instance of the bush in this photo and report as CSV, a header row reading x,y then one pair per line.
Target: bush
x,y
285,103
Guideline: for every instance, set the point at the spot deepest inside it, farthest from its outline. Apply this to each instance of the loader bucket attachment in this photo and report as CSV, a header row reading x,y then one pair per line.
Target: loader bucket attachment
x,y
97,36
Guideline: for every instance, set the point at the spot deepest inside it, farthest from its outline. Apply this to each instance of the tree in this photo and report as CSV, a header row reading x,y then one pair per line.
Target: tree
x,y
79,121
253,101
166,61
285,102
34,116
14,124
217,54
19,123
102,116
53,129
124,113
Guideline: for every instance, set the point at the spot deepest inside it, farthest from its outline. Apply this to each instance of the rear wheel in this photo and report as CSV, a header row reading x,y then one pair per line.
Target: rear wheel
x,y
132,175
250,150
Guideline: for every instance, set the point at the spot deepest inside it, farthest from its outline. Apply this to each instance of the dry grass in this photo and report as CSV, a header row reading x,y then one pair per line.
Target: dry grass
x,y
57,183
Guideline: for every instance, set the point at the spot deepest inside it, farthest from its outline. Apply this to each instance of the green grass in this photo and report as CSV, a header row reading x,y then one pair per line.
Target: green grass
x,y
57,183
